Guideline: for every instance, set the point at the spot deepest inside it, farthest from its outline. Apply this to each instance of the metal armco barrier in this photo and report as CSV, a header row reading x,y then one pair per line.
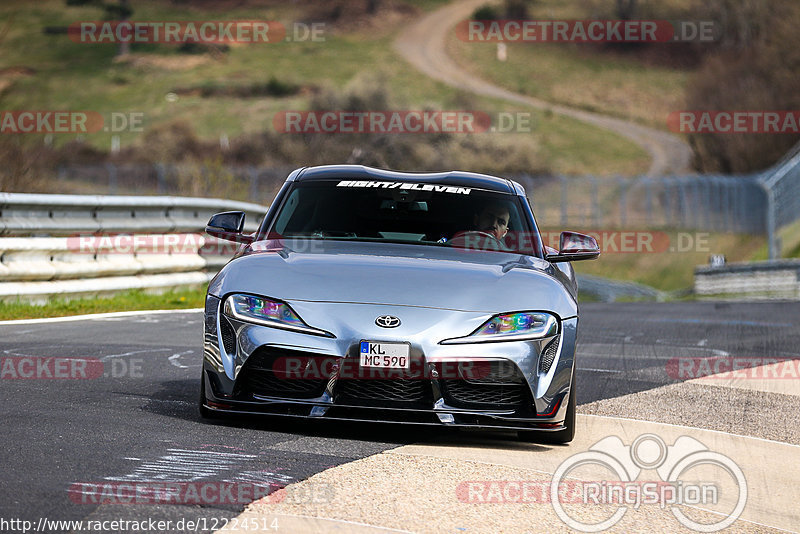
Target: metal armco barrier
x,y
77,245
770,279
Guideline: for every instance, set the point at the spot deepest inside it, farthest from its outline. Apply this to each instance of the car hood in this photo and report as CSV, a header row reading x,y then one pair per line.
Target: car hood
x,y
395,274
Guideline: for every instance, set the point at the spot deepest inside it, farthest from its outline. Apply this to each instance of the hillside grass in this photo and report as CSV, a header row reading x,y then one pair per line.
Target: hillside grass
x,y
579,75
76,76
72,76
673,270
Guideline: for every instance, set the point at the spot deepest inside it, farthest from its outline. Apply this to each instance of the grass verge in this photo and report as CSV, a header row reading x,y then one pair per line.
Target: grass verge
x,y
672,269
128,301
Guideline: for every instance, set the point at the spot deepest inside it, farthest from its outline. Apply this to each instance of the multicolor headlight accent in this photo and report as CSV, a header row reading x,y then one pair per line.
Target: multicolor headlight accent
x,y
512,327
267,312
512,323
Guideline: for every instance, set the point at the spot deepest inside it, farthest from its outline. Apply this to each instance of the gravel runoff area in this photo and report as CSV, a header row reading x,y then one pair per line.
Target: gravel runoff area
x,y
415,487
418,494
758,414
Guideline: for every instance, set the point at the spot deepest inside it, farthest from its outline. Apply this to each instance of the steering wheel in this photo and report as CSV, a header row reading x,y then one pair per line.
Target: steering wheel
x,y
476,239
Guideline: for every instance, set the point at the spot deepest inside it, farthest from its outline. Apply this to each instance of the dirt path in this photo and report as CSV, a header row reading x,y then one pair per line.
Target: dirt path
x,y
423,45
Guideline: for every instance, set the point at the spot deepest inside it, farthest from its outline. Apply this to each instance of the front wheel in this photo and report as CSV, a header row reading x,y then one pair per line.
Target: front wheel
x,y
562,436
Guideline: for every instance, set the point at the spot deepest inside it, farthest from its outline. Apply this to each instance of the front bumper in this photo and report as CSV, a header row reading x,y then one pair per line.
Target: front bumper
x,y
517,393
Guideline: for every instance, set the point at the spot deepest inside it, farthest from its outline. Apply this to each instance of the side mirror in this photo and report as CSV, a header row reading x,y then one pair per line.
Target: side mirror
x,y
574,246
228,225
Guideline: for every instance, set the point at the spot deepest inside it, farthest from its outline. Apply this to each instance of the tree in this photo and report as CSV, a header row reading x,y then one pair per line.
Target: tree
x,y
753,68
626,9
120,11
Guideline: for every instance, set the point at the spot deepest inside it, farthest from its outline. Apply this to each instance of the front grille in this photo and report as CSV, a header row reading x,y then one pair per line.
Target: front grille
x,y
548,356
489,372
258,375
371,391
486,384
463,393
228,335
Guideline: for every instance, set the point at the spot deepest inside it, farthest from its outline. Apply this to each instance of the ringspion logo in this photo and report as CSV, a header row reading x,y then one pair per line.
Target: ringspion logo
x,y
678,466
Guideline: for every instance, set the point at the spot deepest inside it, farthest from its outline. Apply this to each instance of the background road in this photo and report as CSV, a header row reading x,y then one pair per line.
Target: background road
x,y
423,45
142,423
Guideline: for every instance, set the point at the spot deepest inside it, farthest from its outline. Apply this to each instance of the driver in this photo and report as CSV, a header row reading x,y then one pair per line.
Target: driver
x,y
493,219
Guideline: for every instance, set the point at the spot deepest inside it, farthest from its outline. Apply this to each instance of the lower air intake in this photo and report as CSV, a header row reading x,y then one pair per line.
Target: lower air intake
x,y
548,356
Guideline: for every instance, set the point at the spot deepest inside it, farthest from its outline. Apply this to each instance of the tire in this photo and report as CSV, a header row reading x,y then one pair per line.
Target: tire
x,y
561,436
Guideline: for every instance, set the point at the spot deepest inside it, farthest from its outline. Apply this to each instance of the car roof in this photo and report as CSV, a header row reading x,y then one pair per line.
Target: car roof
x,y
360,172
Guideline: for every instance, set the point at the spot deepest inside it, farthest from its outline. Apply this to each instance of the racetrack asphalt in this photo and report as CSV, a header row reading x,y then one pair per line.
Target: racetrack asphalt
x,y
140,421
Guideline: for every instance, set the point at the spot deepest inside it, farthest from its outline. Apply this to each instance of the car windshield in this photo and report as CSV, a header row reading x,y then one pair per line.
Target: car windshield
x,y
425,214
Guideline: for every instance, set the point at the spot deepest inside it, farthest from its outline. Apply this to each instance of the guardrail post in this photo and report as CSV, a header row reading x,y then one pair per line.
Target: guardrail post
x,y
682,208
112,178
253,172
728,208
668,215
740,213
697,207
161,178
771,238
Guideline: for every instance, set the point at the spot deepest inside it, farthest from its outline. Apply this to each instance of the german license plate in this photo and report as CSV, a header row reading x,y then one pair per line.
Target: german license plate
x,y
385,355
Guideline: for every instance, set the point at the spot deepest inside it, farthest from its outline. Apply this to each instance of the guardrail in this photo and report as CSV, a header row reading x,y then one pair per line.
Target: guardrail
x,y
767,279
613,290
83,245
89,245
781,184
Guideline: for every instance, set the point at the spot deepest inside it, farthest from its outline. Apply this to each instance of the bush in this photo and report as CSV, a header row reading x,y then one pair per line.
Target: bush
x,y
754,67
20,170
486,13
511,9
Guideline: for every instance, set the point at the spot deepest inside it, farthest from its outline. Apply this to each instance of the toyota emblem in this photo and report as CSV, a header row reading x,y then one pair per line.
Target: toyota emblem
x,y
387,321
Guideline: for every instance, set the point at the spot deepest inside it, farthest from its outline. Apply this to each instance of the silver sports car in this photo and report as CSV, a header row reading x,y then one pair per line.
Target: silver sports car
x,y
375,295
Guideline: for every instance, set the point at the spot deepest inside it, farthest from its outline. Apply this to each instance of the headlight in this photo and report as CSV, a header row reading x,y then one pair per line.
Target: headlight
x,y
268,312
511,327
